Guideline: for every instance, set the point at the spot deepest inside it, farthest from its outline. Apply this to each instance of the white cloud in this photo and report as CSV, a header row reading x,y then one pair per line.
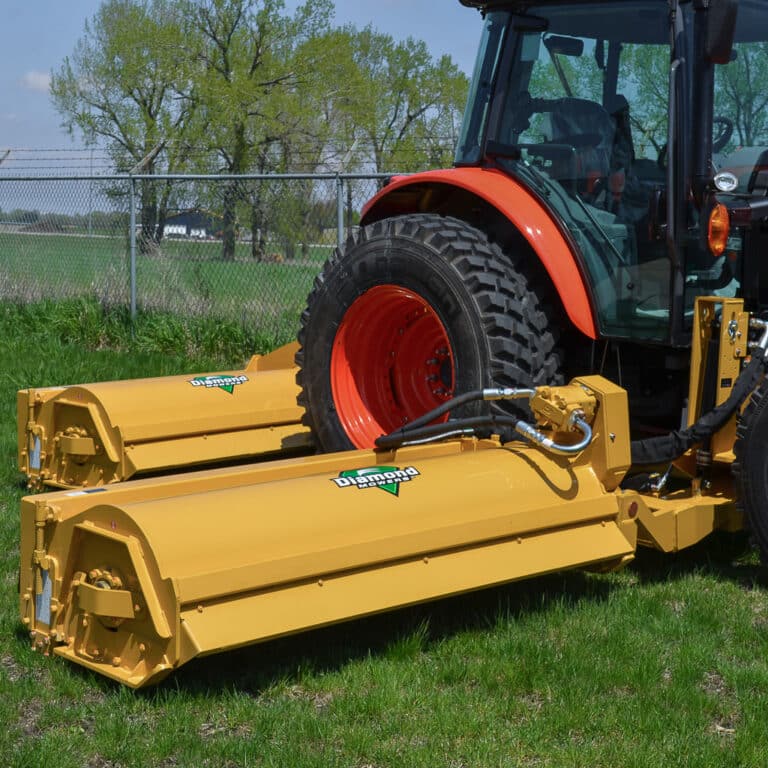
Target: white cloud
x,y
35,80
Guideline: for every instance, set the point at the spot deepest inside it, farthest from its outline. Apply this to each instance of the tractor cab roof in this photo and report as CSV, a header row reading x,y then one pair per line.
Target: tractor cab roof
x,y
629,21
522,5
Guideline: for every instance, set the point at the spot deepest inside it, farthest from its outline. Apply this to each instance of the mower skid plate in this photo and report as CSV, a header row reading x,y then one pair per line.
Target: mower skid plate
x,y
96,434
135,579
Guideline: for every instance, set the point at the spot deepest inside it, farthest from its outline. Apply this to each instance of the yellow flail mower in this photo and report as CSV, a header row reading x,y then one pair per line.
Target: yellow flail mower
x,y
134,579
421,440
96,434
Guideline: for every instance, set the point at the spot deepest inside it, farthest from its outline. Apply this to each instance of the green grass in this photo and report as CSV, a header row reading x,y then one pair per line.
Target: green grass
x,y
181,277
92,326
664,664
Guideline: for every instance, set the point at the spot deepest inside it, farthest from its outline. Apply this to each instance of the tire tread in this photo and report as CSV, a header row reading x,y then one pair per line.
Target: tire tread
x,y
515,311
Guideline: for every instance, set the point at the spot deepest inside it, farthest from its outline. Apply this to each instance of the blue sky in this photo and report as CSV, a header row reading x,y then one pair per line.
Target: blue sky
x,y
36,35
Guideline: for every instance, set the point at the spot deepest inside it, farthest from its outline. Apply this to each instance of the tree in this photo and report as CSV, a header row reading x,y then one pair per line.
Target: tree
x,y
741,94
239,86
127,83
252,62
398,105
644,78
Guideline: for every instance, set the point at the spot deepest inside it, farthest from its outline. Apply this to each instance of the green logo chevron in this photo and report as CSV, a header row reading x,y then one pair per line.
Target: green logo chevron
x,y
388,479
219,381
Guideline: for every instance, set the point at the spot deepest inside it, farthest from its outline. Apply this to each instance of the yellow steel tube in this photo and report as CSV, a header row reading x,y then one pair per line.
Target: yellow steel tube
x,y
280,530
95,434
232,565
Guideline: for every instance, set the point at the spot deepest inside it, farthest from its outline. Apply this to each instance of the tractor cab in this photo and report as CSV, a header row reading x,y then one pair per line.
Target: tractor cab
x,y
617,117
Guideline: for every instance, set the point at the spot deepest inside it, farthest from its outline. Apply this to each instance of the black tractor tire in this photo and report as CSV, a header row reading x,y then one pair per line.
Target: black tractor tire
x,y
411,311
751,467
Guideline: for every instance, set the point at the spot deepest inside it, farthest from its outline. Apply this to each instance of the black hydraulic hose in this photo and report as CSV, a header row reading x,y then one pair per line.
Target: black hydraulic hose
x,y
411,432
666,448
436,413
411,435
421,430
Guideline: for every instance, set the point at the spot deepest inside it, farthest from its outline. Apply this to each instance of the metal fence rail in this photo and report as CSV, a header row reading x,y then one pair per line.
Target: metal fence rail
x,y
243,248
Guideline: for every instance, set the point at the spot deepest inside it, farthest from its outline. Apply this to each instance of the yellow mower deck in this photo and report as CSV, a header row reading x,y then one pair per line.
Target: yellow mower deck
x,y
134,580
95,434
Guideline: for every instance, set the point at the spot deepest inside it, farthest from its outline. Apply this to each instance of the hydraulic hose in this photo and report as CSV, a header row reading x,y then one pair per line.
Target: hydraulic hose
x,y
457,428
421,431
492,393
412,431
540,439
666,448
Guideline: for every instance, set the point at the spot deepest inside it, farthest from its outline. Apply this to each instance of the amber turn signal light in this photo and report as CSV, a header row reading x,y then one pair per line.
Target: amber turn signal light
x,y
718,229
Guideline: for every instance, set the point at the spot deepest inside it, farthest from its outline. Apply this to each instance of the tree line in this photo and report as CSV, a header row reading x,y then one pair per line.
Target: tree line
x,y
243,86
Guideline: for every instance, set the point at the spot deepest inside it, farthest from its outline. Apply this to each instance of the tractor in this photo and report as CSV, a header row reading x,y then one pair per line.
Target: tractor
x,y
597,191
539,359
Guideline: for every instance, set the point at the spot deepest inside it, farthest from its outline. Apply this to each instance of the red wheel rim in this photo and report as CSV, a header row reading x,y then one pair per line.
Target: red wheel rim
x,y
391,363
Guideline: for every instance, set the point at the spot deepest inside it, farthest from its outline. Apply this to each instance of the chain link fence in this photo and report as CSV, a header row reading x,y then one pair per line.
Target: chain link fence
x,y
242,248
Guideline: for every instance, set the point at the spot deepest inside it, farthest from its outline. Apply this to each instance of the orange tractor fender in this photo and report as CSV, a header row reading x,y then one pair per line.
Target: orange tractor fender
x,y
518,206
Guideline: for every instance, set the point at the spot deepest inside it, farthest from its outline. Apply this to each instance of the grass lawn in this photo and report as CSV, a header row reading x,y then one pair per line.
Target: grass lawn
x,y
184,276
664,664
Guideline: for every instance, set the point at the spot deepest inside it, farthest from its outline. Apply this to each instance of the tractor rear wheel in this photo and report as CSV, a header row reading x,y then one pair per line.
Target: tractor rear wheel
x,y
412,311
751,466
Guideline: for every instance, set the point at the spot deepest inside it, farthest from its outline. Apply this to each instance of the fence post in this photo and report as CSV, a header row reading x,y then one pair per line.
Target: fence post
x,y
132,226
339,211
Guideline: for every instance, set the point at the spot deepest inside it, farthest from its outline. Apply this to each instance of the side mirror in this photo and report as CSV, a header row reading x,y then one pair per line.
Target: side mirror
x,y
721,26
